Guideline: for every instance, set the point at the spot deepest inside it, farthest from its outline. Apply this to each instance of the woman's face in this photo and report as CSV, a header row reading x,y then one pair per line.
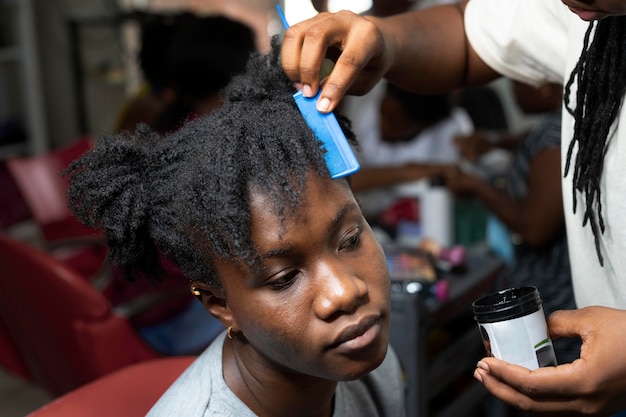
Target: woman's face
x,y
320,304
596,9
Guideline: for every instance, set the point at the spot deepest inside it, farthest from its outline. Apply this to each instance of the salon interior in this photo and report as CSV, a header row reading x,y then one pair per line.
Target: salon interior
x,y
70,70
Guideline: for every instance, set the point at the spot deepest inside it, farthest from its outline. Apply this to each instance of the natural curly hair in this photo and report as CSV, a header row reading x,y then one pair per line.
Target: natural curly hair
x,y
187,195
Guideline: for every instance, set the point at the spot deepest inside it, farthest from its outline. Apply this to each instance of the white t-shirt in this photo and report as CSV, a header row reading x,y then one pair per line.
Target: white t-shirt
x,y
539,41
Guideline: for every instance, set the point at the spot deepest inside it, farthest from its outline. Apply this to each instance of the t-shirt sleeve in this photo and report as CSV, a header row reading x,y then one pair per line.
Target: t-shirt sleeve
x,y
526,40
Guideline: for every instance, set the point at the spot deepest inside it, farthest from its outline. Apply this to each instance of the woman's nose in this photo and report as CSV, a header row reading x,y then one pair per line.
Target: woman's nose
x,y
339,289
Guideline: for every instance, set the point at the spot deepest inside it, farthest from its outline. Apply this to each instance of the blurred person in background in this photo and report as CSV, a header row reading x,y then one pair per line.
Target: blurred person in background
x,y
411,136
529,210
157,31
203,54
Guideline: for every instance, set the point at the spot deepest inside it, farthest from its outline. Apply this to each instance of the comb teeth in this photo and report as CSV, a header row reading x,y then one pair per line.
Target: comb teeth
x,y
340,158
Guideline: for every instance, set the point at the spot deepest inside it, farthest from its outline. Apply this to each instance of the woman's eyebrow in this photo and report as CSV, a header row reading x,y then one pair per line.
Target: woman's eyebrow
x,y
277,253
333,224
341,214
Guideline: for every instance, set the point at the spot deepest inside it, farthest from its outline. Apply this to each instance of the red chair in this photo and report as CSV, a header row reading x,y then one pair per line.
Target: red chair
x,y
63,329
39,181
13,209
129,392
9,356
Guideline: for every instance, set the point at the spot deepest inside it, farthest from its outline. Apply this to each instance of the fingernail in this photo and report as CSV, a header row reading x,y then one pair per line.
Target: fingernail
x,y
323,105
478,376
482,365
306,90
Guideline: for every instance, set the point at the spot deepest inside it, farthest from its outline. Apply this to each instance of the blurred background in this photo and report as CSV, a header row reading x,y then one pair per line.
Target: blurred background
x,y
67,66
69,69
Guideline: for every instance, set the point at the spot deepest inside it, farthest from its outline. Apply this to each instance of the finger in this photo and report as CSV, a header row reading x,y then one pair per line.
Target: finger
x,y
568,323
306,45
563,381
537,405
357,50
292,50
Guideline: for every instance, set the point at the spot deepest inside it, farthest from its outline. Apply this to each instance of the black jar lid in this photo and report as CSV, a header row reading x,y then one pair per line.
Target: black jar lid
x,y
506,304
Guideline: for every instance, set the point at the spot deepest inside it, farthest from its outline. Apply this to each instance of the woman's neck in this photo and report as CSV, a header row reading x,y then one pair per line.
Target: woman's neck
x,y
267,391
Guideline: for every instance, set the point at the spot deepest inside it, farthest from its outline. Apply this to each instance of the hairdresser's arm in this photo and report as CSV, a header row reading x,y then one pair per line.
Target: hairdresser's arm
x,y
594,385
424,51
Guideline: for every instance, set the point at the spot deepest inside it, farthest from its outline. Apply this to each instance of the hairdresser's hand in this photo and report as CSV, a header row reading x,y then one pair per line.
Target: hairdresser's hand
x,y
423,50
594,385
353,41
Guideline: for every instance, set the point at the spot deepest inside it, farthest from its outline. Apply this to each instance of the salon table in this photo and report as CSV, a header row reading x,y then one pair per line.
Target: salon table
x,y
437,340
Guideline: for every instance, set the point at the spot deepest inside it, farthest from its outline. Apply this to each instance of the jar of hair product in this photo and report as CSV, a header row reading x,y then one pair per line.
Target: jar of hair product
x,y
513,327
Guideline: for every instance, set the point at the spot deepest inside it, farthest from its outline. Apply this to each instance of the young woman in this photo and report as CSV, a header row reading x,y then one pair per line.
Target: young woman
x,y
242,202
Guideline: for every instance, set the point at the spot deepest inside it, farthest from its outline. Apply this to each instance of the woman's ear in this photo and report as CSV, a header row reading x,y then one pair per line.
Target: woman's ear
x,y
214,301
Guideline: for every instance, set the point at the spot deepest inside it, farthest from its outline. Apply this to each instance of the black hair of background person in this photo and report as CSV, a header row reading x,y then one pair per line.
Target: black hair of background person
x,y
601,87
187,194
484,107
422,107
204,55
157,33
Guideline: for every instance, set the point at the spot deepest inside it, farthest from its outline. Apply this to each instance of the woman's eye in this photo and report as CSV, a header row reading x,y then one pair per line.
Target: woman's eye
x,y
352,239
284,281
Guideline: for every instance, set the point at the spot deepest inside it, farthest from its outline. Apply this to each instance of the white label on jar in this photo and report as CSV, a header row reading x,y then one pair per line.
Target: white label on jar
x,y
523,341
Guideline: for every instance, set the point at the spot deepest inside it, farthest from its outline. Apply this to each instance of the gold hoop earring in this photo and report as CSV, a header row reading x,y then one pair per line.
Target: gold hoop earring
x,y
195,291
229,332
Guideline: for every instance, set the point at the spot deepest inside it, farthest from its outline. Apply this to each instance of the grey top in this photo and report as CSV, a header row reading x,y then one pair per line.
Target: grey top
x,y
202,391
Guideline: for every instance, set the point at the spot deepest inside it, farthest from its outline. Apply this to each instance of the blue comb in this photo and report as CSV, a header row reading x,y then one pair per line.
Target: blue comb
x,y
340,158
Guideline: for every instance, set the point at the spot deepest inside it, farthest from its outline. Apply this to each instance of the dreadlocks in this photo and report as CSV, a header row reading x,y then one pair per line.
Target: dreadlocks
x,y
601,75
187,195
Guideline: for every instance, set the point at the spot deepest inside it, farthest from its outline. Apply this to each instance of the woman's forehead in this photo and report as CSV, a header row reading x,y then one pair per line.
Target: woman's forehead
x,y
317,197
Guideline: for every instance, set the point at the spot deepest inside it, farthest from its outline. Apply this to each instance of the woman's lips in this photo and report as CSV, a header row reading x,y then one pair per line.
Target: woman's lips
x,y
356,337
